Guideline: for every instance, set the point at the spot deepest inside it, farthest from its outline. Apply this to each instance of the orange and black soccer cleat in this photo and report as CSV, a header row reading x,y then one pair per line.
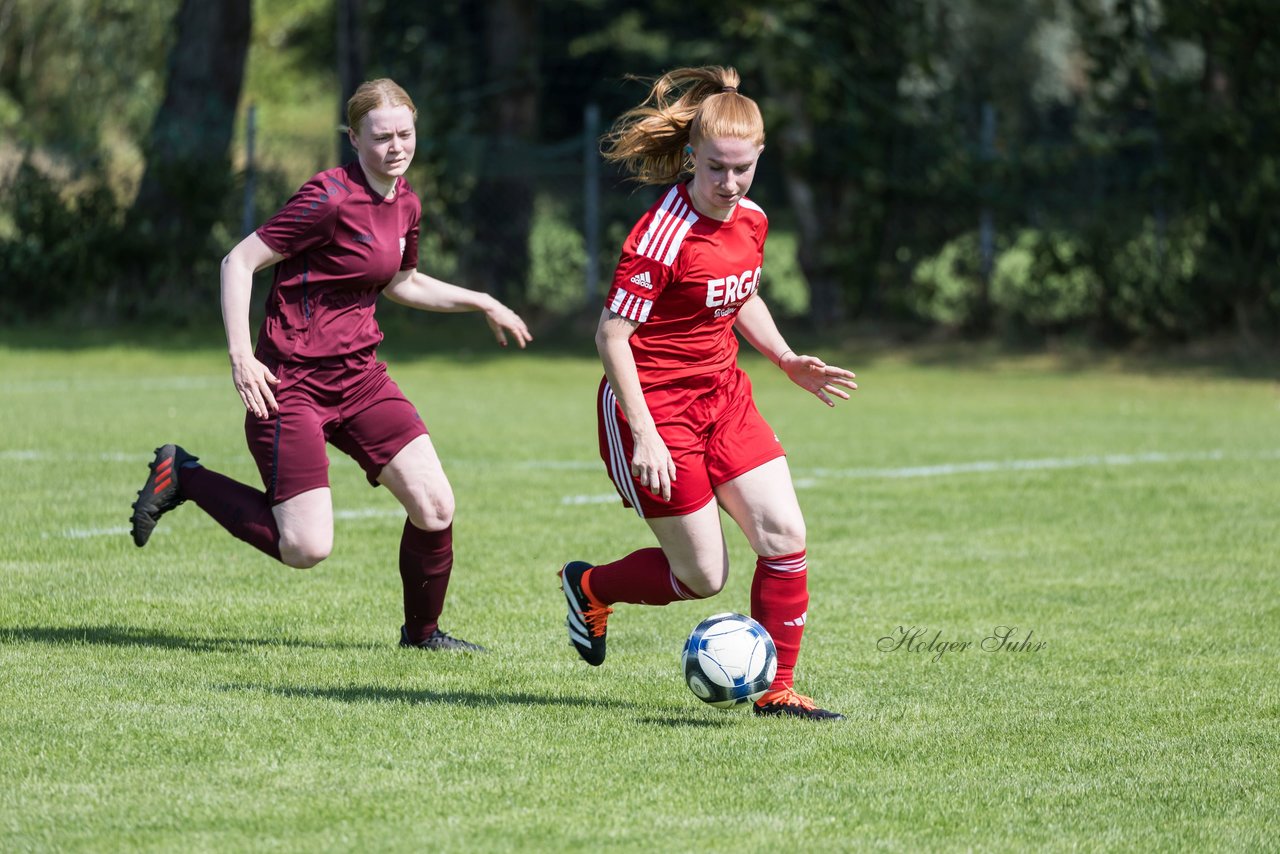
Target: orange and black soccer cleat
x,y
588,619
785,702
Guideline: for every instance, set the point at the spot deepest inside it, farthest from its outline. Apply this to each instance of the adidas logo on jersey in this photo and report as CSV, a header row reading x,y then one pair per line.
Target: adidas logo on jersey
x,y
798,621
642,279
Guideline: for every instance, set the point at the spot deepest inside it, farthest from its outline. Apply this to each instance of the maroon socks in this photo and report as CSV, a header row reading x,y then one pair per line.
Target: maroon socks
x,y
426,561
242,510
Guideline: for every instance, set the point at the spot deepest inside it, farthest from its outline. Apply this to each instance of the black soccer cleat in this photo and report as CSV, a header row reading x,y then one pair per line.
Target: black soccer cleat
x,y
787,703
160,493
439,641
588,620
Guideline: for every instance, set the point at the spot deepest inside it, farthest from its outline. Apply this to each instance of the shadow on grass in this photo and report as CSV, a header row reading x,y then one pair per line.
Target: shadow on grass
x,y
688,723
472,699
128,636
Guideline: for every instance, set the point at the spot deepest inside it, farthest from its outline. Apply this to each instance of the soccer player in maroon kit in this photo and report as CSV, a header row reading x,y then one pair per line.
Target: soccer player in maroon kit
x,y
679,432
347,236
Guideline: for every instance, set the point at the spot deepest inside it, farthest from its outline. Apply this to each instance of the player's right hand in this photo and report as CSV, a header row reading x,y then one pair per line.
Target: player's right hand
x,y
254,383
652,465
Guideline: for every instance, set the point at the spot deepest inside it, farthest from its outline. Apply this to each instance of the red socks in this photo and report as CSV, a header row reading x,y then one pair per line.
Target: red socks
x,y
426,562
643,577
780,602
779,595
242,510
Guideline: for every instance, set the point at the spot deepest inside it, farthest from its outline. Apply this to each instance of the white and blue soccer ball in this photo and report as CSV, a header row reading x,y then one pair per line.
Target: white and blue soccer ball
x,y
729,660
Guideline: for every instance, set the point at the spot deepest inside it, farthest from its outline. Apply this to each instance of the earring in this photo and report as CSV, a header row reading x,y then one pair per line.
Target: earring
x,y
688,149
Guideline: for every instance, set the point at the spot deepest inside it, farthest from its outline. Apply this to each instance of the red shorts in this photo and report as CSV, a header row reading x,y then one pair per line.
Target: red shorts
x,y
356,408
710,425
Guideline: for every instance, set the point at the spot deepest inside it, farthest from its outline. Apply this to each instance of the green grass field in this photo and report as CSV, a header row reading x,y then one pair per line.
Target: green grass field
x,y
194,695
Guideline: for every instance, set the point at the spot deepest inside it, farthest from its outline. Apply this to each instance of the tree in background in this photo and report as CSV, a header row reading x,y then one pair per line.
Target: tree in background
x,y
187,178
831,72
918,150
351,51
80,80
1223,128
1184,101
501,207
79,84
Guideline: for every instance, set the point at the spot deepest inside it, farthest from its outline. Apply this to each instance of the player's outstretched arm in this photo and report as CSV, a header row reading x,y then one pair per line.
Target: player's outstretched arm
x,y
418,290
815,376
252,379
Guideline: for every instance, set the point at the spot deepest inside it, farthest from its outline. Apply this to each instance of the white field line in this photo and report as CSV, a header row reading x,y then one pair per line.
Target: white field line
x,y
939,470
982,466
36,455
106,383
121,530
807,478
602,498
26,455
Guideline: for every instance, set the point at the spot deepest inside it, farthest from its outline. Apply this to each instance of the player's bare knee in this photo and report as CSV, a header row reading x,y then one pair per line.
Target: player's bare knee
x,y
303,555
705,582
432,514
704,588
784,539
430,505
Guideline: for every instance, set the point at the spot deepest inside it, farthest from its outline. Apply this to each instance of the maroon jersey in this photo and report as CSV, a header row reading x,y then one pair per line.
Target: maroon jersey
x,y
683,277
342,243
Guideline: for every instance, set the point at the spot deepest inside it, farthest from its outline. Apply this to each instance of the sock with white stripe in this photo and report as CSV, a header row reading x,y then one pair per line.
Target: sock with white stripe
x,y
643,577
780,603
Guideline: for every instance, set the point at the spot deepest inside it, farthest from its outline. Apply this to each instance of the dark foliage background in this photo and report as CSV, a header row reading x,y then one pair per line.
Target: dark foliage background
x,y
1024,168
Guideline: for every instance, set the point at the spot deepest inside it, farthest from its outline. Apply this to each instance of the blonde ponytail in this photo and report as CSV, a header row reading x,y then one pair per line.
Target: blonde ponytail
x,y
683,107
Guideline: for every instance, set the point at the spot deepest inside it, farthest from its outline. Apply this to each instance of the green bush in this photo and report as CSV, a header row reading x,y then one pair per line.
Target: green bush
x,y
1044,281
1151,281
947,288
557,259
783,284
60,247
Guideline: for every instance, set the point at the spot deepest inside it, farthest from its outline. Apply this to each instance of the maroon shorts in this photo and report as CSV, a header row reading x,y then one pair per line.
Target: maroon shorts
x,y
710,425
355,408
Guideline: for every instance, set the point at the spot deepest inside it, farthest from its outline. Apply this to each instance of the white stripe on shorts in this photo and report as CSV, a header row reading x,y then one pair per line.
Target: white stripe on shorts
x,y
619,467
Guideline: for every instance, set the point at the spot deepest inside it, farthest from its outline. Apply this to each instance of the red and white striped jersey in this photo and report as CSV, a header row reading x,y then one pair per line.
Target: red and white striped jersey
x,y
683,277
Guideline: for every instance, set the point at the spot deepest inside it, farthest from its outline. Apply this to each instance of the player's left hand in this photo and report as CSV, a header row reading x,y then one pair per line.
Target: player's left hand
x,y
504,321
818,378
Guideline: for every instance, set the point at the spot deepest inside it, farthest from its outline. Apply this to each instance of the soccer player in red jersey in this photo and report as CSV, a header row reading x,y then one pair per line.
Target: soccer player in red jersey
x,y
347,236
679,432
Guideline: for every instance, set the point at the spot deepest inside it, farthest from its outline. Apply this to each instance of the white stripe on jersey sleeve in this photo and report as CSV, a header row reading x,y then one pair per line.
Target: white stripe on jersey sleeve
x,y
752,206
675,244
639,311
630,306
671,221
666,231
656,222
